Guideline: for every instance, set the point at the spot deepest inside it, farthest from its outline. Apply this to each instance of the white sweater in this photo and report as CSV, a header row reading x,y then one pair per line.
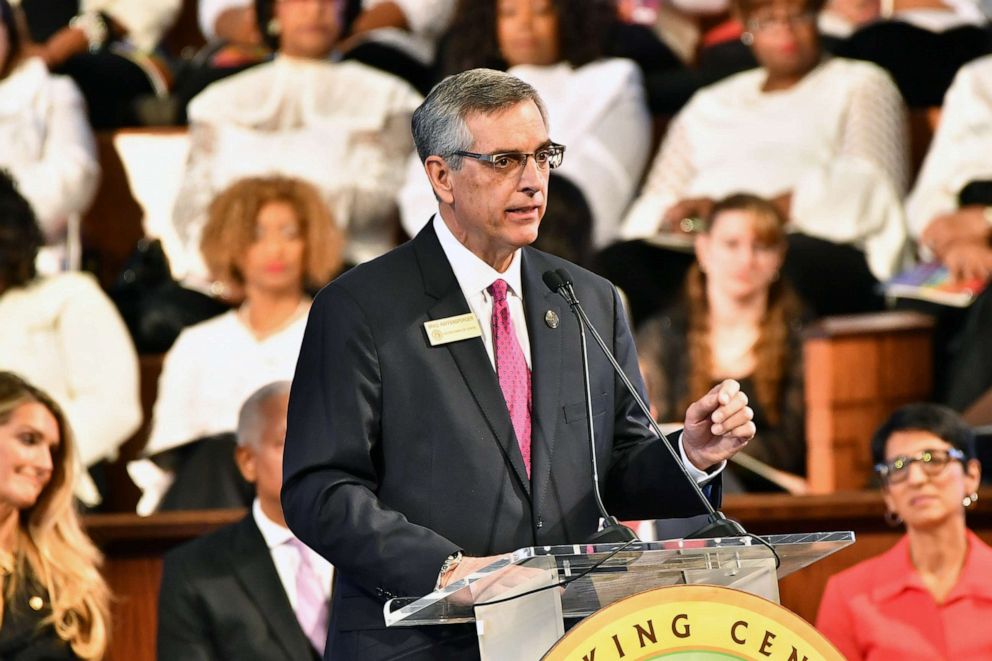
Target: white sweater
x,y
837,141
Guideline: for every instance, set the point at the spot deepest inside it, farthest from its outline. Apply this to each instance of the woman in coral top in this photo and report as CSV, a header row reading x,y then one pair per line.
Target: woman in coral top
x,y
930,596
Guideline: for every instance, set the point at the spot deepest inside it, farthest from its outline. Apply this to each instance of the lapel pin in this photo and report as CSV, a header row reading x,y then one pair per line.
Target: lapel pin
x,y
551,319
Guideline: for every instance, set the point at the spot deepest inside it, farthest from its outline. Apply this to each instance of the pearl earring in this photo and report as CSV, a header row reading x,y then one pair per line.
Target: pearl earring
x,y
968,501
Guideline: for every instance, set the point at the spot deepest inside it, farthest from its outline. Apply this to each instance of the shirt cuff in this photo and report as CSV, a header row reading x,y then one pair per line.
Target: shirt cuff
x,y
701,477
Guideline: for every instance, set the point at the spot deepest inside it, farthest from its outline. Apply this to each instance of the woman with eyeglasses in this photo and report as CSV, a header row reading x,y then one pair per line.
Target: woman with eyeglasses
x,y
929,597
823,137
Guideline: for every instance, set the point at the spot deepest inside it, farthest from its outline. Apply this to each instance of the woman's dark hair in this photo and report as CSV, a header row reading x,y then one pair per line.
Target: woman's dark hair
x,y
13,37
20,236
471,40
935,419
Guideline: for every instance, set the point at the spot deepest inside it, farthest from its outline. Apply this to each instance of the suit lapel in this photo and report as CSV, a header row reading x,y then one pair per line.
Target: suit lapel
x,y
256,572
470,355
546,361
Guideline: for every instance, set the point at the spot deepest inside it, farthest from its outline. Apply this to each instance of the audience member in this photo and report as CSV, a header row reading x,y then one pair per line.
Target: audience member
x,y
737,320
271,241
927,597
344,127
400,37
108,47
235,42
824,138
53,602
45,141
64,334
950,214
922,44
596,105
233,593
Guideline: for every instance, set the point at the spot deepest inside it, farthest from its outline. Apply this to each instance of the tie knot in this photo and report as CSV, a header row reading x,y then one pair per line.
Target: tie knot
x,y
299,547
498,290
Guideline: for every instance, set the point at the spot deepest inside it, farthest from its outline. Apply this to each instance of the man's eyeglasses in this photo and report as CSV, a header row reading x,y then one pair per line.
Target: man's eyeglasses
x,y
767,21
933,463
512,162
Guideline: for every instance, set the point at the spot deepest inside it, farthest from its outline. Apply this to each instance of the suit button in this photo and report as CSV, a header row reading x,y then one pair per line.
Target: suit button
x,y
540,523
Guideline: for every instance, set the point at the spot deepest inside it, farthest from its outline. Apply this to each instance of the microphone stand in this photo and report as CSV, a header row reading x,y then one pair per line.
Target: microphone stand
x,y
718,525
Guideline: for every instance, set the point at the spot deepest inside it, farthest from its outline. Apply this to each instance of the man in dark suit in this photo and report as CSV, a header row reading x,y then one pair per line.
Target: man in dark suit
x,y
437,416
235,594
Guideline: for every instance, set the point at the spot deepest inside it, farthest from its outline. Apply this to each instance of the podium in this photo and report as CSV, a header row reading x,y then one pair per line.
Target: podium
x,y
519,603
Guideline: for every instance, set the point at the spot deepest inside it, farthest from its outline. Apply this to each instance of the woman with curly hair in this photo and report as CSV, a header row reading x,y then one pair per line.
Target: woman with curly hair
x,y
64,334
737,320
53,602
596,104
272,242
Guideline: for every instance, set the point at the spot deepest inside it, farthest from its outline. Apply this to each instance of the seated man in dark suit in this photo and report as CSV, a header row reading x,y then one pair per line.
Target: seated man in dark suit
x,y
250,590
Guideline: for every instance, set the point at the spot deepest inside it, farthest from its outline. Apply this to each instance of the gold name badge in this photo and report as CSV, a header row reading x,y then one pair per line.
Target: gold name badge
x,y
452,329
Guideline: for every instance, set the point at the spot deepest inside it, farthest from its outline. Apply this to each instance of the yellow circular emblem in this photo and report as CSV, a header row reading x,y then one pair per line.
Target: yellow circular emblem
x,y
693,623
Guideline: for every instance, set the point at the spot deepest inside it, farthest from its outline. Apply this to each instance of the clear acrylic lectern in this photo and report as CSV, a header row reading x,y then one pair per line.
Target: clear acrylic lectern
x,y
516,619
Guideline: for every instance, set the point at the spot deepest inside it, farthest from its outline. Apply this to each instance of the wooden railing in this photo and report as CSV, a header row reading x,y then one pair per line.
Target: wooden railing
x,y
134,547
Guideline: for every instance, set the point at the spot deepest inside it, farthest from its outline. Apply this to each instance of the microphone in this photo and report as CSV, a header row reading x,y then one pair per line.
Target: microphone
x,y
560,282
612,530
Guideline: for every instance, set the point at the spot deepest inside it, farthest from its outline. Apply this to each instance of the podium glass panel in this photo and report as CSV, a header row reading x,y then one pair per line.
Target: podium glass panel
x,y
596,576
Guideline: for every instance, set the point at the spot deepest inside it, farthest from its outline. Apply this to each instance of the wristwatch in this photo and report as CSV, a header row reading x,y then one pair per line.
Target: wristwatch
x,y
450,564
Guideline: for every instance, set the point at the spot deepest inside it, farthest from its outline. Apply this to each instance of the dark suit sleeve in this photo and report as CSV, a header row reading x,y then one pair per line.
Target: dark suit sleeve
x,y
644,481
333,443
182,635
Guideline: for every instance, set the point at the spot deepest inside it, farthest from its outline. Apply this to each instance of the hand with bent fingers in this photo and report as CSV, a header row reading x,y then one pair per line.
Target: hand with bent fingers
x,y
717,426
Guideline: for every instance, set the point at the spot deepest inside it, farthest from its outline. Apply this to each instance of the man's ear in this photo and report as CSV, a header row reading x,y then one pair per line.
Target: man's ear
x,y
440,175
244,457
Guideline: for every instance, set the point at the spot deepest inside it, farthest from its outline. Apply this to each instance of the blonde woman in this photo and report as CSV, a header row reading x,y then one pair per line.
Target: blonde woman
x,y
53,602
271,241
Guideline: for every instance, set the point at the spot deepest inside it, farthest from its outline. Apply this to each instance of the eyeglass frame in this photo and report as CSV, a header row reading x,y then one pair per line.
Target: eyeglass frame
x,y
885,469
493,157
791,20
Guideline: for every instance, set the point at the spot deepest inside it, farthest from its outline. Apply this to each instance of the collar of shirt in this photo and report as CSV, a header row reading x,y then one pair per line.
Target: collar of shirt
x,y
274,534
286,558
897,574
474,276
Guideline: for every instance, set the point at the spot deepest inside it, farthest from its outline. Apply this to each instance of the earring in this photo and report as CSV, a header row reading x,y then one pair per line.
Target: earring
x,y
968,501
892,518
747,38
273,27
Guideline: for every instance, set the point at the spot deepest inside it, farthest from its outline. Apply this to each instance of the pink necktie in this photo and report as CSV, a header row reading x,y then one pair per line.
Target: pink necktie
x,y
511,369
311,603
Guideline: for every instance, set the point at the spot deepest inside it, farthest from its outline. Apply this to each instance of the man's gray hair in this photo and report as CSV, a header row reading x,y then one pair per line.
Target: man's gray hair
x,y
439,127
251,418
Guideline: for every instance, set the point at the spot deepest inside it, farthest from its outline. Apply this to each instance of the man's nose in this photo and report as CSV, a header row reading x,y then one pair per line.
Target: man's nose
x,y
532,177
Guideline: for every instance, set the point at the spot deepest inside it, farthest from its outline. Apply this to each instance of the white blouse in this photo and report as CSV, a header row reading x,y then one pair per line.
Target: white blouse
x,y
837,141
599,112
209,372
64,335
344,127
46,144
961,150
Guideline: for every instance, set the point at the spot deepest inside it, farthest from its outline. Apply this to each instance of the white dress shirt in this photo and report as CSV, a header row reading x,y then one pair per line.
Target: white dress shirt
x,y
287,559
474,276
